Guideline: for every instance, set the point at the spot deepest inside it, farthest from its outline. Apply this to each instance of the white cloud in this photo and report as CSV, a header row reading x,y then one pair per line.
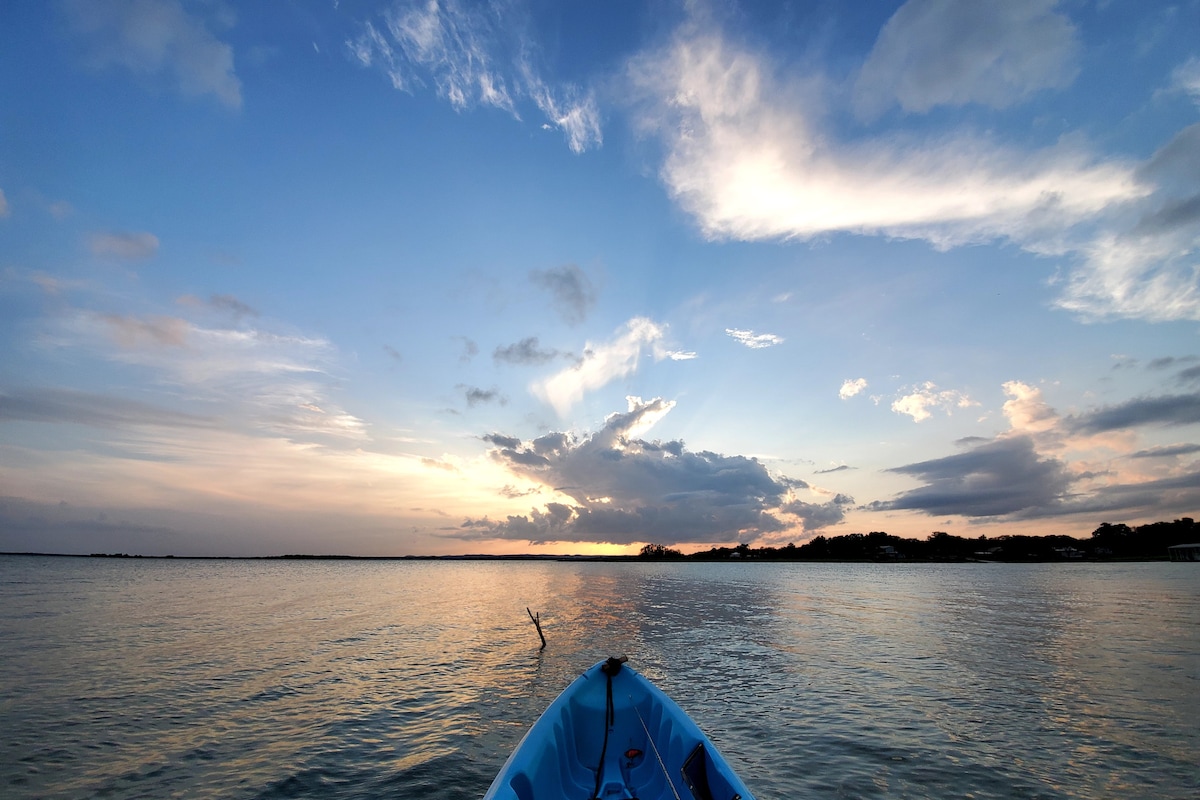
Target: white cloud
x,y
852,387
748,159
755,341
1025,409
131,246
1186,78
953,52
158,36
3,204
749,155
1147,266
923,400
472,57
606,362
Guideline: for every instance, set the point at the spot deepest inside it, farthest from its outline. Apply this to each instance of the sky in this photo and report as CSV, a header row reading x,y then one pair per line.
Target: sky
x,y
444,277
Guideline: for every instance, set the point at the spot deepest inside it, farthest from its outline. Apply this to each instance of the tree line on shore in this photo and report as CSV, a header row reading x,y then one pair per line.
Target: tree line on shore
x,y
1107,542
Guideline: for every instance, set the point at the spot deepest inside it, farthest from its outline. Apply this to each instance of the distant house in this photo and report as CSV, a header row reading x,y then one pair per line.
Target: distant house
x,y
1069,552
1184,552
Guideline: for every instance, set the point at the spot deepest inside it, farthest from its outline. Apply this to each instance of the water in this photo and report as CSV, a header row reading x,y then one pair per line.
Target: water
x,y
268,679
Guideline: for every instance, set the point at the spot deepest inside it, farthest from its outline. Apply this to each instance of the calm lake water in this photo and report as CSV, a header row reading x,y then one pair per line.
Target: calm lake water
x,y
266,679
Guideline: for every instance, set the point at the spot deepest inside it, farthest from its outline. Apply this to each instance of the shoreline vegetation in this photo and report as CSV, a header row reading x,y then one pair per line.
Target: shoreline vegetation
x,y
1108,542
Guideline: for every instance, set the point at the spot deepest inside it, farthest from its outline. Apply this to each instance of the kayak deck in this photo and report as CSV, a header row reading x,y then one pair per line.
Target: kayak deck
x,y
613,735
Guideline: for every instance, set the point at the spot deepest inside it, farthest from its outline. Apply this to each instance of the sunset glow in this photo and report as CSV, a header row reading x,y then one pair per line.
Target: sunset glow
x,y
414,278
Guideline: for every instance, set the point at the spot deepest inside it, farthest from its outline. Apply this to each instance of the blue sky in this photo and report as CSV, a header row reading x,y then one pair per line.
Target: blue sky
x,y
446,277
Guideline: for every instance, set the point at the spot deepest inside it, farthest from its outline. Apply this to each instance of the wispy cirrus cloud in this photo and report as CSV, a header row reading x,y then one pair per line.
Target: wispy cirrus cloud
x,y
474,55
159,37
259,379
123,245
755,341
1186,78
68,406
604,362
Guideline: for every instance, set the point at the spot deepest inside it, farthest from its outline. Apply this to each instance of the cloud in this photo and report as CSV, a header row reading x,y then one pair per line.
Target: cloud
x,y
1186,78
605,362
128,246
525,351
153,37
224,303
926,398
815,516
839,468
748,157
1012,476
752,154
65,406
1144,264
1002,477
475,396
574,295
1025,409
474,56
954,52
1182,409
755,341
470,349
624,489
1167,451
134,332
3,205
260,380
852,387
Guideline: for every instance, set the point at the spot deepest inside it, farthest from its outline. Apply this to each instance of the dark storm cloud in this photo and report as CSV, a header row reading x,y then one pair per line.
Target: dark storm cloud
x,y
509,442
525,351
1008,478
83,408
1167,451
1182,409
631,490
571,289
1003,477
1177,495
820,515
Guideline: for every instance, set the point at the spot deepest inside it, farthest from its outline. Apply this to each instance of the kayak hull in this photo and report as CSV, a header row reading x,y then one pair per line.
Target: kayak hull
x,y
638,744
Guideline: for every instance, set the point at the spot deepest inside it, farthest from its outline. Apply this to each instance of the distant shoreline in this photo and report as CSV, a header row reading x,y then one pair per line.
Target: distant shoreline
x,y
582,558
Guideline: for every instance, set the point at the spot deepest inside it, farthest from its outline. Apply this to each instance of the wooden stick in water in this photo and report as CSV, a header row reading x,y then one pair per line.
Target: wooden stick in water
x,y
537,623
